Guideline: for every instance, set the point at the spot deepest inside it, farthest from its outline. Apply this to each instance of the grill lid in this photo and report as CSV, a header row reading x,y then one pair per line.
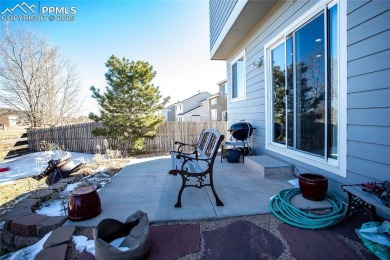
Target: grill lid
x,y
241,131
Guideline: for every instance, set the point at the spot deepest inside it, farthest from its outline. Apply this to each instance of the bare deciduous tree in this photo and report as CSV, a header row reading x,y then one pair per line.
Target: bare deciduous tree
x,y
35,79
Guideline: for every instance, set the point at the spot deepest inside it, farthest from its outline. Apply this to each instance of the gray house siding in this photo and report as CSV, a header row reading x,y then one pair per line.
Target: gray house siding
x,y
368,125
252,109
368,89
219,13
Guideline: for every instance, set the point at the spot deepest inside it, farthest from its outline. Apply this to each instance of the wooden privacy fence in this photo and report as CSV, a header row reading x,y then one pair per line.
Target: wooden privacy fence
x,y
78,138
13,143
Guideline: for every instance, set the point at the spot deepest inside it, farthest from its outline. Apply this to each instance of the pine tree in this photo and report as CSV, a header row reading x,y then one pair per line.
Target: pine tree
x,y
129,106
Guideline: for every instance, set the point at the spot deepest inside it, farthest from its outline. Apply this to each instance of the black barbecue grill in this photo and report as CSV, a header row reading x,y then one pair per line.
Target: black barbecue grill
x,y
241,131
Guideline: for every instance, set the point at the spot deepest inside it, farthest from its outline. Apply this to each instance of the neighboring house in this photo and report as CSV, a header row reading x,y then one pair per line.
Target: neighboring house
x,y
313,78
170,113
176,111
7,121
200,113
218,103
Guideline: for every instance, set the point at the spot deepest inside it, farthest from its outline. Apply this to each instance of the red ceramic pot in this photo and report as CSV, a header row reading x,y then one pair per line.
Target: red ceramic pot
x,y
313,186
84,203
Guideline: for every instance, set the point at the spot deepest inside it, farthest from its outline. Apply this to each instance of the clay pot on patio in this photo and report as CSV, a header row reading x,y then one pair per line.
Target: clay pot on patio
x,y
84,203
313,186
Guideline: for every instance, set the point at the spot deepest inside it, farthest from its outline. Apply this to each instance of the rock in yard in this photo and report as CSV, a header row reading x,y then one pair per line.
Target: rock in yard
x,y
62,235
26,226
24,241
50,224
57,252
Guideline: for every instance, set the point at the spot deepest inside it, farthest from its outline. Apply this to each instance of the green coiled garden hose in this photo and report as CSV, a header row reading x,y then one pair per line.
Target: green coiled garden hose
x,y
281,207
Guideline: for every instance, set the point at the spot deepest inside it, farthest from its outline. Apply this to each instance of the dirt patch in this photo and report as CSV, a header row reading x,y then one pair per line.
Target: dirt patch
x,y
12,193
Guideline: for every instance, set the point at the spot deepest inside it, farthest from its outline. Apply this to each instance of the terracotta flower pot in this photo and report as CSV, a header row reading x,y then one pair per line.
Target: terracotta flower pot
x,y
313,186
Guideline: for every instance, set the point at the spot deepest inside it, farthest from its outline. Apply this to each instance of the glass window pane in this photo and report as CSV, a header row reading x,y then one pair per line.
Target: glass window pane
x,y
310,87
278,94
241,77
333,84
290,90
234,83
238,70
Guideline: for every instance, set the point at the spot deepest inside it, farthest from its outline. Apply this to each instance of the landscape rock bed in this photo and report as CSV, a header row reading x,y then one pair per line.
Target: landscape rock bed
x,y
23,227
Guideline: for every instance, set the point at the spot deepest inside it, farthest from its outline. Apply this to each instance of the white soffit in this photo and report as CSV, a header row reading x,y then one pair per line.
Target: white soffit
x,y
244,17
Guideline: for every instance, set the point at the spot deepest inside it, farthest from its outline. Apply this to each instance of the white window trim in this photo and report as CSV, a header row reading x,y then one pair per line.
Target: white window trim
x,y
239,56
338,167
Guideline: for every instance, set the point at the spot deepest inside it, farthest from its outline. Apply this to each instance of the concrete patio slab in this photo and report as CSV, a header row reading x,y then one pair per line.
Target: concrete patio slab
x,y
163,183
268,166
195,205
145,185
246,200
129,184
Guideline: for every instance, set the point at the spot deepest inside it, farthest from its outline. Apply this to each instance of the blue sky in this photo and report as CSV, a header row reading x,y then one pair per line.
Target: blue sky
x,y
173,36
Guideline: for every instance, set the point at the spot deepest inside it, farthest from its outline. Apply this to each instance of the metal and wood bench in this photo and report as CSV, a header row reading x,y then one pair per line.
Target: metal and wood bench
x,y
197,164
364,202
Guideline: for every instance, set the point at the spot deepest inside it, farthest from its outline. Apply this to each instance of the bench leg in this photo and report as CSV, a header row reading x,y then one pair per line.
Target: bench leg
x,y
217,200
348,213
183,185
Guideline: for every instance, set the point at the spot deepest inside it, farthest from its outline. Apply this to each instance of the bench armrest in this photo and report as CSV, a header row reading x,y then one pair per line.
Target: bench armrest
x,y
181,145
188,157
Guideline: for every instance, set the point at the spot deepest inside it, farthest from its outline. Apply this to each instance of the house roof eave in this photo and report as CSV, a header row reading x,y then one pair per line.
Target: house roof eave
x,y
245,16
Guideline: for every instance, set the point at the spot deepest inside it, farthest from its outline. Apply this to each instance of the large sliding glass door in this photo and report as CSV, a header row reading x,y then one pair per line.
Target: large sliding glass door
x,y
310,86
305,86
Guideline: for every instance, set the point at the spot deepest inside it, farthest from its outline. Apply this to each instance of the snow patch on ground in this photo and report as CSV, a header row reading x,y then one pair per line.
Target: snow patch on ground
x,y
34,163
53,208
28,252
82,243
